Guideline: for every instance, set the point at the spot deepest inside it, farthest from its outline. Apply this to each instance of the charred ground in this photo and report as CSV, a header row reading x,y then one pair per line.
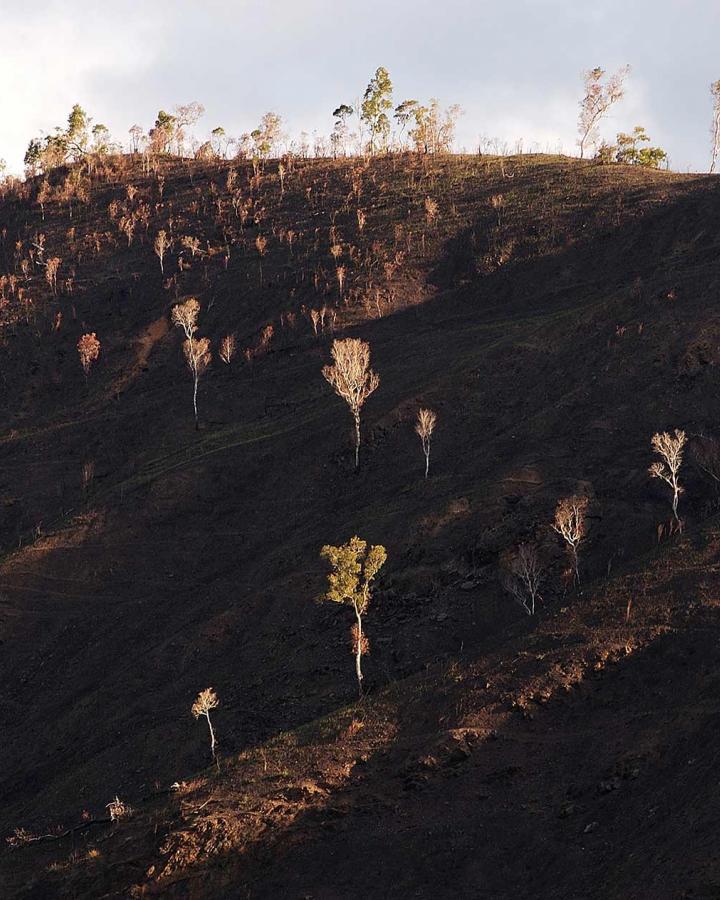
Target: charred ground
x,y
555,314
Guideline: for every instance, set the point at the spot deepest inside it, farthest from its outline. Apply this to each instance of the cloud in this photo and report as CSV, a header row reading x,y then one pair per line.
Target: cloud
x,y
516,73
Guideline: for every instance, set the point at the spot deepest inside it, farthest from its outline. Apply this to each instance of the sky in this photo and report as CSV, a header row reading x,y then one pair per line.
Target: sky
x,y
515,68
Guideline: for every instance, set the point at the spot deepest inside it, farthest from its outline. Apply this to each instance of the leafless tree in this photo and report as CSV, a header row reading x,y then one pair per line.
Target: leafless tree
x,y
186,116
352,379
424,427
227,349
599,97
431,210
670,448
191,243
88,348
570,524
715,129
260,246
136,136
205,701
161,247
51,270
521,575
340,272
196,350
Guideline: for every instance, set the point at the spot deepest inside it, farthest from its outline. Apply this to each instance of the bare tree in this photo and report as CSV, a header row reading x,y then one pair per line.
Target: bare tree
x,y
136,137
352,379
670,448
227,349
353,569
196,350
185,116
191,243
431,210
571,526
424,427
260,246
340,273
161,247
88,348
51,270
207,700
598,99
521,575
715,129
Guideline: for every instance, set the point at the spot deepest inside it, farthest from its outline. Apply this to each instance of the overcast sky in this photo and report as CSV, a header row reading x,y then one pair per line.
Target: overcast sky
x,y
513,67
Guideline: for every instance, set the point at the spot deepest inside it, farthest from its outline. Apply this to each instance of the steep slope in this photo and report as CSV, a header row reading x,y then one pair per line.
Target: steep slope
x,y
554,319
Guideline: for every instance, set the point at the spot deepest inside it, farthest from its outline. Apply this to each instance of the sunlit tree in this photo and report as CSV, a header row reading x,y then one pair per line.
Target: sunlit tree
x,y
377,102
205,702
196,350
353,569
570,524
424,428
352,379
670,449
88,348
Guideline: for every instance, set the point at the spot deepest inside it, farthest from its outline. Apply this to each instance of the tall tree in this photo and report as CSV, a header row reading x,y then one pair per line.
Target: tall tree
x,y
599,97
76,136
353,569
186,115
570,524
377,101
339,134
205,702
424,428
196,350
161,136
404,112
352,379
101,138
715,130
670,449
267,136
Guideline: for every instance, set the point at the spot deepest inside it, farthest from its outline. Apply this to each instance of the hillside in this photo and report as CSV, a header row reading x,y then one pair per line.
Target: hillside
x,y
555,314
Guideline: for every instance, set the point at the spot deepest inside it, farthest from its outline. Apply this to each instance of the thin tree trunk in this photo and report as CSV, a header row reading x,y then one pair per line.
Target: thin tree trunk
x,y
358,652
357,441
576,564
195,390
212,741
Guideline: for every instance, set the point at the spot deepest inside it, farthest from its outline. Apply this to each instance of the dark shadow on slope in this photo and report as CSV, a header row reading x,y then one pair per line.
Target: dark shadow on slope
x,y
204,567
